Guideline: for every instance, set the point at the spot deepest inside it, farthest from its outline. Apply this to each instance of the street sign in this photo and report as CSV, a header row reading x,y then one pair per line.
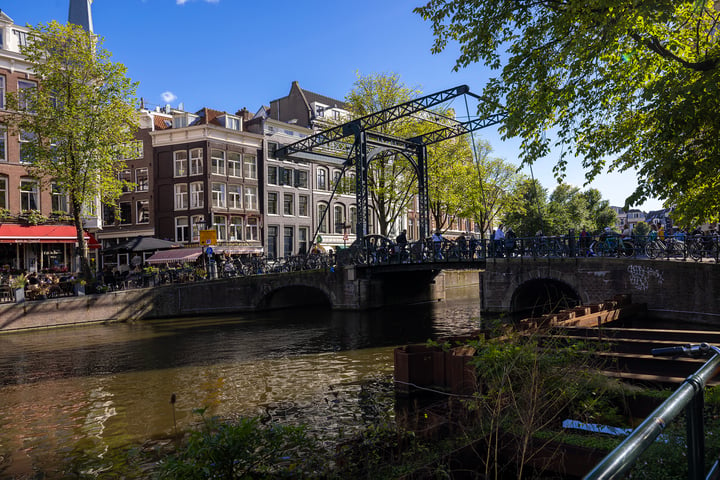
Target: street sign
x,y
209,251
208,237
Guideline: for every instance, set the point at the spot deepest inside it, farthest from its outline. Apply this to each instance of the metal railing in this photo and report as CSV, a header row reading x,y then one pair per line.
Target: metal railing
x,y
689,397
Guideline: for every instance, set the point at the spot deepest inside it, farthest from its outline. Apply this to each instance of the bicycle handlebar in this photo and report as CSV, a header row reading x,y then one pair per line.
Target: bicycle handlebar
x,y
700,350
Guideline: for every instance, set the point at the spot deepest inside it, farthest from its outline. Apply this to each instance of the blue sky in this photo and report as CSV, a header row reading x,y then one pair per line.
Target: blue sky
x,y
230,54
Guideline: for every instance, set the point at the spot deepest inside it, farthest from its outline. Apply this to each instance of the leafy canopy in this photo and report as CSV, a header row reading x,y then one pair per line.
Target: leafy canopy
x,y
626,85
78,121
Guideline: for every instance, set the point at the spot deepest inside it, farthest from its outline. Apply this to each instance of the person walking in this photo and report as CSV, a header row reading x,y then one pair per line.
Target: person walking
x,y
437,244
499,241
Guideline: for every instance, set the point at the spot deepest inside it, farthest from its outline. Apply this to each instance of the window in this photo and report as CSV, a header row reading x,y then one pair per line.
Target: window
x,y
125,213
272,148
322,218
218,195
287,176
235,196
235,228
21,37
303,205
336,177
353,220
182,229
197,195
272,242
220,223
217,159
339,219
234,164
108,214
141,180
250,166
272,205
24,98
302,240
2,86
181,196
251,198
26,153
289,204
251,229
181,164
232,123
272,176
3,144
59,199
196,161
125,176
29,195
197,223
288,241
301,179
3,192
321,179
143,211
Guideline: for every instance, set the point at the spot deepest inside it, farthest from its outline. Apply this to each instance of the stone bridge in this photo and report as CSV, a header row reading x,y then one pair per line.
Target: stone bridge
x,y
671,289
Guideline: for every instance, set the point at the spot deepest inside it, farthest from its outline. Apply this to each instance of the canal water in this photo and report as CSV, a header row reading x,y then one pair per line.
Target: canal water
x,y
69,398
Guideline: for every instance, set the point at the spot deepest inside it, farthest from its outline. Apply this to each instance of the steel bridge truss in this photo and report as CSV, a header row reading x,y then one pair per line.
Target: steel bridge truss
x,y
356,143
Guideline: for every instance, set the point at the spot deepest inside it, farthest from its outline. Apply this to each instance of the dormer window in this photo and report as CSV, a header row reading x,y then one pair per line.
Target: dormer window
x,y
320,111
230,121
183,120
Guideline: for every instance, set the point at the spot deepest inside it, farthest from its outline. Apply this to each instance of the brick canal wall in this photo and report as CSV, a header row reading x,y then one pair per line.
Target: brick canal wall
x,y
675,290
341,289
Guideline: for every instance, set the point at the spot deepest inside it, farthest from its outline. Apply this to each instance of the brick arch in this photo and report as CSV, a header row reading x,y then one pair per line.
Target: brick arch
x,y
559,277
294,293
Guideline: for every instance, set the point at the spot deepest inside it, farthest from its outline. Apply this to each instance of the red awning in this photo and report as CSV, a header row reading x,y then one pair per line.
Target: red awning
x,y
92,242
13,233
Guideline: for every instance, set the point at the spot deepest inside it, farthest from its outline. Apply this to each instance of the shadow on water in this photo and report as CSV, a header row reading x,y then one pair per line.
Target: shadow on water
x,y
81,393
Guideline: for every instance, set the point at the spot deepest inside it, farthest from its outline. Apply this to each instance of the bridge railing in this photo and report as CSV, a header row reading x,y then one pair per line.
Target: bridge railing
x,y
379,250
688,397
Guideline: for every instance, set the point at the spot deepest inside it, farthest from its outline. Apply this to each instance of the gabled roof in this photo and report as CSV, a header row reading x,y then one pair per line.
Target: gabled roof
x,y
4,18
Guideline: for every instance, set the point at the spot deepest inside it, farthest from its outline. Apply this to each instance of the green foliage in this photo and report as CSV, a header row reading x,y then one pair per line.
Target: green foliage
x,y
242,449
641,229
34,217
530,386
621,85
79,120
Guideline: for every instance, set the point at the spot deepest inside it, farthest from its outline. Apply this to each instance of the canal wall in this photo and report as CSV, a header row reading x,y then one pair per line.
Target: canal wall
x,y
342,290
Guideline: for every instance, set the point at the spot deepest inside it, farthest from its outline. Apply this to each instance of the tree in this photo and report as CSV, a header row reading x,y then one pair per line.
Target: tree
x,y
449,175
78,121
625,85
390,175
491,188
527,216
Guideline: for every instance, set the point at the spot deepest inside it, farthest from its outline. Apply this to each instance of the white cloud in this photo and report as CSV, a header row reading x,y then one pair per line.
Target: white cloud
x,y
183,2
168,96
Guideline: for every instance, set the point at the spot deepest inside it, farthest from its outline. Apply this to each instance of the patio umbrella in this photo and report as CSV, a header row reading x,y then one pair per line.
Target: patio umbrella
x,y
142,244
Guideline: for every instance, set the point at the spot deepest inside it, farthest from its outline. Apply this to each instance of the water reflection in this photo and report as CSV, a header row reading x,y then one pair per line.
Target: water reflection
x,y
87,391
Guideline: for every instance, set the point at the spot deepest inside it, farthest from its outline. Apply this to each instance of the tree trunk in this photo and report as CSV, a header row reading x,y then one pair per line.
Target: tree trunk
x,y
82,245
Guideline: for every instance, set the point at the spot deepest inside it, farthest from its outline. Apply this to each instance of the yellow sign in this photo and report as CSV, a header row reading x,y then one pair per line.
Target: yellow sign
x,y
208,237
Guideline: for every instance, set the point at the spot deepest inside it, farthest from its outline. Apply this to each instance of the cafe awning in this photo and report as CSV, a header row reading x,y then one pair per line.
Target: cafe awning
x,y
176,255
13,233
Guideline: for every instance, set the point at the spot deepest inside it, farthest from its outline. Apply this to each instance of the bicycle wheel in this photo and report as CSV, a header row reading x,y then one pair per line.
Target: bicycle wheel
x,y
653,250
695,249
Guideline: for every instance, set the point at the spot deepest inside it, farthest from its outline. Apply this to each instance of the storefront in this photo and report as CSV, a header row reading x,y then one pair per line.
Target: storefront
x,y
36,248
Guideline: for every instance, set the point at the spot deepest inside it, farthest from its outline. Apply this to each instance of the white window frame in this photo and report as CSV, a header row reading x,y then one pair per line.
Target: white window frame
x,y
219,195
235,228
140,185
196,161
217,162
197,195
182,229
4,191
234,164
234,196
180,163
250,166
272,203
142,206
195,222
220,225
29,194
251,197
181,196
251,229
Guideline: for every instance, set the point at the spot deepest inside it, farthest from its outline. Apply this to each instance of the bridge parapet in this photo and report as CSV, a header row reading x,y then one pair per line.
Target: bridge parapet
x,y
672,290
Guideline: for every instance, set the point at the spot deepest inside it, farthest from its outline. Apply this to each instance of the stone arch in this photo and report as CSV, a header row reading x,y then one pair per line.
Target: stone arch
x,y
294,295
542,290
